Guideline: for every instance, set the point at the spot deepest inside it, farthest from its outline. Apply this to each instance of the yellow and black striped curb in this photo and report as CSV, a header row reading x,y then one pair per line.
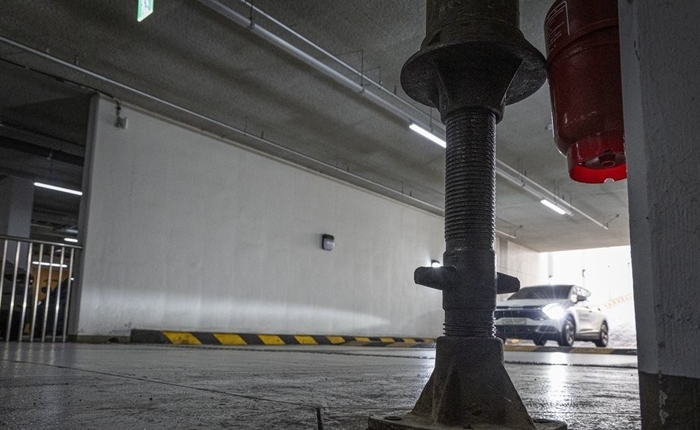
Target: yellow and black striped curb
x,y
244,339
232,339
570,349
618,300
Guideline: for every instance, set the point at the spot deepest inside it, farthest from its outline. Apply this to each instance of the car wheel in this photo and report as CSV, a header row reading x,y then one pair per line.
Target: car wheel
x,y
568,333
540,342
602,341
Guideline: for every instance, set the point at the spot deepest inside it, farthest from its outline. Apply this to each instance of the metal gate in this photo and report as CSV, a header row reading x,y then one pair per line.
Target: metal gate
x,y
36,282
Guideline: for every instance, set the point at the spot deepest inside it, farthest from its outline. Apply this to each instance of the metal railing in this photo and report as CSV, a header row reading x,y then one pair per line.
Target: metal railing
x,y
36,282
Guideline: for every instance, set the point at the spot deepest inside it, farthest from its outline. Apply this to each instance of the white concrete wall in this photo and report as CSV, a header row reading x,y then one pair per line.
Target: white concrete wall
x,y
605,272
186,232
659,44
528,266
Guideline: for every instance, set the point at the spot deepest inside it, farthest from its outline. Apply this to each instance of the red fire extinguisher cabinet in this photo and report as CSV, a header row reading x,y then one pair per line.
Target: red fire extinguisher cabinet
x,y
583,69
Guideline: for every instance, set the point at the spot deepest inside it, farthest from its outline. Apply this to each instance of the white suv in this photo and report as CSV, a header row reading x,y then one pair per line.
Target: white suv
x,y
551,312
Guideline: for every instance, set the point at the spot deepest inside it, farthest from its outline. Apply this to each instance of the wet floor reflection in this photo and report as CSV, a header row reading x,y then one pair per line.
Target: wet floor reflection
x,y
98,386
558,389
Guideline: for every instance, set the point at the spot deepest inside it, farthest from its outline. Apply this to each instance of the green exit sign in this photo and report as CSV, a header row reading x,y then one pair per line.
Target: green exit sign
x,y
145,8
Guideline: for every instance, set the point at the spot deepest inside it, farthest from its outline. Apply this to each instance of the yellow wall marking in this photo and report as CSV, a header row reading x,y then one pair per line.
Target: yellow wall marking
x,y
181,338
362,339
409,340
229,339
271,339
387,339
306,340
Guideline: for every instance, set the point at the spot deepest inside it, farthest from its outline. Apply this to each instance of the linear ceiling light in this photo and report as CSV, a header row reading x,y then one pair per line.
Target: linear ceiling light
x,y
55,188
553,207
425,133
45,264
70,239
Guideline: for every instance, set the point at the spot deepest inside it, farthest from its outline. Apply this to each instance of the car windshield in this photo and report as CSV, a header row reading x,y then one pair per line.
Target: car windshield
x,y
556,292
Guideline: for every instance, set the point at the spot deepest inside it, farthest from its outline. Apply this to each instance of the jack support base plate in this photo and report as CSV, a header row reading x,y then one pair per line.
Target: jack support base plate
x,y
414,422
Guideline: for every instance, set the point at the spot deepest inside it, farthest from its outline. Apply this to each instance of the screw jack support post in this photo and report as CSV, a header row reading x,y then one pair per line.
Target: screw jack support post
x,y
473,61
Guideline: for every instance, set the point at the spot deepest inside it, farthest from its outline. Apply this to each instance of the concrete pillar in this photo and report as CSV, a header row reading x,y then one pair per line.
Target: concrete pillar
x,y
661,89
16,201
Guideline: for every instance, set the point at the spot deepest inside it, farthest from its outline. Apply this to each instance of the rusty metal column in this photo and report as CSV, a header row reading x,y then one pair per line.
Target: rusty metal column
x,y
473,61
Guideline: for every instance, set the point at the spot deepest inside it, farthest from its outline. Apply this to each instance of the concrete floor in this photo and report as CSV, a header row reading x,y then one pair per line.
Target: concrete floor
x,y
113,386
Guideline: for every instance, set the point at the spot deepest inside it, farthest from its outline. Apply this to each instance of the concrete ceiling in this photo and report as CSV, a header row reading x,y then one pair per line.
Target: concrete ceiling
x,y
218,76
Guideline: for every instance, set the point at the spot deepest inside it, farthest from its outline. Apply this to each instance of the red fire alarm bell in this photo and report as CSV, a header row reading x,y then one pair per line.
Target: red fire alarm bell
x,y
583,69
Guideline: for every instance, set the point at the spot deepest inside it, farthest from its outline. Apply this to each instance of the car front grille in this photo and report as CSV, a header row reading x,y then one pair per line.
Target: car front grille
x,y
533,314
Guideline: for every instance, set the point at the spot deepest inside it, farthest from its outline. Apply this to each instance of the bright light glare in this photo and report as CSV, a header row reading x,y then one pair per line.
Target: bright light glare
x,y
555,311
435,264
553,207
36,263
557,375
427,134
70,239
55,188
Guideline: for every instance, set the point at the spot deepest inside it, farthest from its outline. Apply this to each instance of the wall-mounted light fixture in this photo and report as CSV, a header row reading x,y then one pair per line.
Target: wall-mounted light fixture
x,y
435,264
327,242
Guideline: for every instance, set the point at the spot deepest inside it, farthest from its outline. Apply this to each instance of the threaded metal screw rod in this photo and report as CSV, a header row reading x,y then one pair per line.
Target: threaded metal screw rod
x,y
470,179
470,193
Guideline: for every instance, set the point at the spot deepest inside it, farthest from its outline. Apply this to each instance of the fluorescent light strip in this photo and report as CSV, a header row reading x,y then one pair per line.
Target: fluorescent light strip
x,y
55,188
36,263
553,207
425,133
71,240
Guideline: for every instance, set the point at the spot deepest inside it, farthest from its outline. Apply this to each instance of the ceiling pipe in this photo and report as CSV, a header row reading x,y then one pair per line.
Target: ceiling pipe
x,y
540,192
303,56
358,73
41,151
502,169
399,195
504,234
37,137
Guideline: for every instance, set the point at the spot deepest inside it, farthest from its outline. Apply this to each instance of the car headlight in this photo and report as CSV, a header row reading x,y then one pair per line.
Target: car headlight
x,y
555,311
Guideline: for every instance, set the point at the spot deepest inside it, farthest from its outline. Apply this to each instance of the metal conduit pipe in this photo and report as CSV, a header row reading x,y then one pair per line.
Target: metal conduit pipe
x,y
502,169
537,190
301,55
321,164
48,153
343,64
